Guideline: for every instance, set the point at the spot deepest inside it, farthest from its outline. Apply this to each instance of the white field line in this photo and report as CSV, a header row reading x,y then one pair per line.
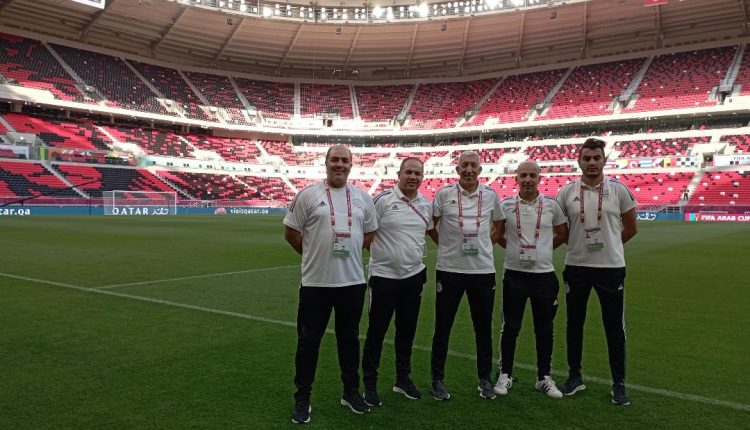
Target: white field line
x,y
603,381
183,278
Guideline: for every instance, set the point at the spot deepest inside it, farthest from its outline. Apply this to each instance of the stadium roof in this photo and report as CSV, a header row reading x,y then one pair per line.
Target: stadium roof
x,y
456,47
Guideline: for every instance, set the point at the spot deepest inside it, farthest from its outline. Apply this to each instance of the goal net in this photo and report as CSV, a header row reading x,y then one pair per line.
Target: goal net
x,y
122,202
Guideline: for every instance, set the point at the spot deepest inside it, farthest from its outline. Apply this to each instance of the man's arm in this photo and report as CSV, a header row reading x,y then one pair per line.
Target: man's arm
x,y
434,232
368,240
560,235
498,233
294,238
629,225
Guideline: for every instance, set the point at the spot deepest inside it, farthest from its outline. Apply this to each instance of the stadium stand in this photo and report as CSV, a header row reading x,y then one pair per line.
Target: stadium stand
x,y
230,149
740,142
272,99
19,179
658,147
589,90
516,96
113,78
28,63
682,80
743,75
316,99
209,186
220,93
110,178
60,133
564,152
173,87
722,188
156,142
381,102
440,105
657,188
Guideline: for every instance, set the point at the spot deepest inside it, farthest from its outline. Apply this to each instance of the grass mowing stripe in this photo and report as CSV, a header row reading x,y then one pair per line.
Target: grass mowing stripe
x,y
183,278
603,381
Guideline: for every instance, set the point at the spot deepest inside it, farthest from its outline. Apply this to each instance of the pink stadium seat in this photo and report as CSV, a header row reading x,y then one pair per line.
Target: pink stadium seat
x,y
441,105
272,99
381,102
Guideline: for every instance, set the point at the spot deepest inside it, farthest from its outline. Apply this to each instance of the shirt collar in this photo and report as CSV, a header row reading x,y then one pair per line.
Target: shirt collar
x,y
401,195
526,202
466,193
584,185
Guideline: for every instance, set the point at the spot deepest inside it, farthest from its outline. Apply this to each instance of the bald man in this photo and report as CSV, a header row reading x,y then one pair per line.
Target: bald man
x,y
327,224
533,227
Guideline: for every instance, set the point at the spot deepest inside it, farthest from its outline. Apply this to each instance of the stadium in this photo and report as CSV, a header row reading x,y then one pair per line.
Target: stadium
x,y
196,122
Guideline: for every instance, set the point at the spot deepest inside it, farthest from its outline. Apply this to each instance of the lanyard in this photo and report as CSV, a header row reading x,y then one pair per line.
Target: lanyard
x,y
461,209
348,207
538,219
598,208
408,202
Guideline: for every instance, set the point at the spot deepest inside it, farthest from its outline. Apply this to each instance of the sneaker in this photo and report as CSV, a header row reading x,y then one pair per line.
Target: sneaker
x,y
371,397
407,388
573,385
438,390
504,382
547,385
485,389
301,412
355,402
618,395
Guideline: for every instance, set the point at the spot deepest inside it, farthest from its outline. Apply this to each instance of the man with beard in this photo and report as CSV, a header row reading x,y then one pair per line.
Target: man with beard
x,y
601,218
397,277
328,224
465,214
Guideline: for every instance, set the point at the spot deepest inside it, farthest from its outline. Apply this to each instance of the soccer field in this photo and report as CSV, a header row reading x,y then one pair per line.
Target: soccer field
x,y
189,322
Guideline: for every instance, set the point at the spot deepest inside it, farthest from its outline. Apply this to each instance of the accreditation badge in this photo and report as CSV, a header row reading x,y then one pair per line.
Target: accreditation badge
x,y
342,244
593,238
527,255
471,244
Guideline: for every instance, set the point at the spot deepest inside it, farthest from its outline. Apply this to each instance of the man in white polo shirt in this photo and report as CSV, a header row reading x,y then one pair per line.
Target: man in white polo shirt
x,y
464,214
327,224
534,226
601,218
397,276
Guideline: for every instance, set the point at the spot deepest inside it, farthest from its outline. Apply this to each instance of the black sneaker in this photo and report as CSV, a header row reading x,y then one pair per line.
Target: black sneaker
x,y
485,389
618,395
573,385
371,397
406,387
355,402
301,412
438,390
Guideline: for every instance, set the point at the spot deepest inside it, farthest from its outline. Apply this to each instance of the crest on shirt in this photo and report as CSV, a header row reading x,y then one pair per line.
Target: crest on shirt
x,y
359,203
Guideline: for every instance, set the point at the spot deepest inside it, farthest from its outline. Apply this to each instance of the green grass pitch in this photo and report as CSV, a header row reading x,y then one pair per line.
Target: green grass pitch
x,y
162,346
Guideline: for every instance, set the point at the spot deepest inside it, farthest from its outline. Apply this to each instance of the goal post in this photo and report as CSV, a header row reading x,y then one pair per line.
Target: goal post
x,y
126,202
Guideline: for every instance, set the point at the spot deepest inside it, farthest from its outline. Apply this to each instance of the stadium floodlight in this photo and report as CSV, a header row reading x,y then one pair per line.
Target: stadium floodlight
x,y
267,12
323,15
377,12
492,3
424,9
389,14
517,3
243,8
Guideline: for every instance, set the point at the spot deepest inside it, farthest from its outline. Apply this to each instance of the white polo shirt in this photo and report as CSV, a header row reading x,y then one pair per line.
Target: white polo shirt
x,y
310,214
398,247
616,200
552,215
451,257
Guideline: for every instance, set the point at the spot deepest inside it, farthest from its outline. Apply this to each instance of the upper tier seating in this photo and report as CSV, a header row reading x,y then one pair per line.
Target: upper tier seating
x,y
658,147
743,76
722,188
682,80
741,142
155,142
111,178
317,99
60,133
113,78
19,179
441,105
230,149
656,188
220,93
516,96
382,102
173,87
30,64
590,89
272,99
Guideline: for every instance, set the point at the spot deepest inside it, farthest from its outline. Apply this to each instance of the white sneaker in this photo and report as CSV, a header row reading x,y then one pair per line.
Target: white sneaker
x,y
504,382
547,385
